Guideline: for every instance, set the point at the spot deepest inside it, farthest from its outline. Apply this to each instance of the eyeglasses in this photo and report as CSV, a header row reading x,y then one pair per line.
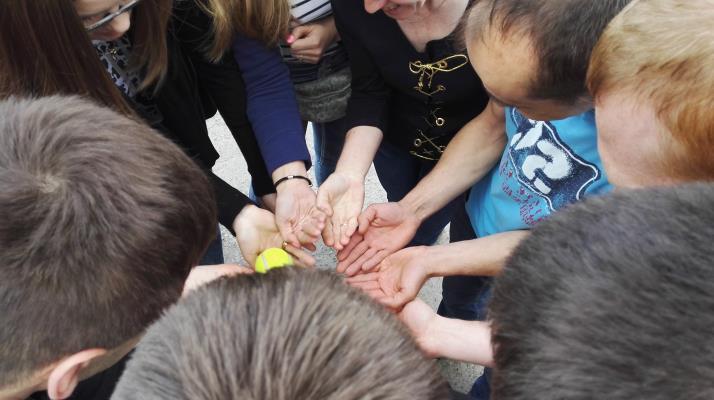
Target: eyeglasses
x,y
109,17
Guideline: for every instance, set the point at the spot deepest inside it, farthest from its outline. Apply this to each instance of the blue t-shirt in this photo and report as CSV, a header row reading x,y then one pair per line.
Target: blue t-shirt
x,y
545,166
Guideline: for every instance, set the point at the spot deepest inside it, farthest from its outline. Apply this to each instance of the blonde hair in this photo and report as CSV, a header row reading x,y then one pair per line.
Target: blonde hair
x,y
663,52
264,20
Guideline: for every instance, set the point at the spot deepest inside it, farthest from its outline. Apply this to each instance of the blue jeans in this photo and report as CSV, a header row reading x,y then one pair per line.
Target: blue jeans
x,y
466,297
214,253
328,141
399,172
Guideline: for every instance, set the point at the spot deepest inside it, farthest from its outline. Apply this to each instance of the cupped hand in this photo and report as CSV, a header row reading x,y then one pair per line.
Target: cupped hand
x,y
257,231
299,221
398,279
341,198
384,229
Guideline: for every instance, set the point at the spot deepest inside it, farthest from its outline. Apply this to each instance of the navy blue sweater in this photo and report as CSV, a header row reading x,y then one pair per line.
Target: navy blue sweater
x,y
272,107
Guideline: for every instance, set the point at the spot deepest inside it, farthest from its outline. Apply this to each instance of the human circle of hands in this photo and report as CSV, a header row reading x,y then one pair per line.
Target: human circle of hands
x,y
370,243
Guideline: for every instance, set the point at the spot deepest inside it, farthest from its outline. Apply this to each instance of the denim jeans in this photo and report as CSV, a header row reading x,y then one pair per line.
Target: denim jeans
x,y
214,253
466,297
399,172
328,140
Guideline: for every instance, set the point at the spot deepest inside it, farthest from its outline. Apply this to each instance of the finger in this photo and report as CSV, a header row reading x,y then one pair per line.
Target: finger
x,y
365,219
360,249
372,276
328,234
348,230
375,294
364,257
318,215
286,232
369,285
300,32
355,240
323,203
375,260
313,228
355,267
337,232
301,257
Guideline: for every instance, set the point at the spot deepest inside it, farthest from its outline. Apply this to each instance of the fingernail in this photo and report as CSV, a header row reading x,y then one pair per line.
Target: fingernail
x,y
290,39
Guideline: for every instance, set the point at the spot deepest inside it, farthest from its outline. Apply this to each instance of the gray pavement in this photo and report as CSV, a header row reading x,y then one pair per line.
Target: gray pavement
x,y
231,167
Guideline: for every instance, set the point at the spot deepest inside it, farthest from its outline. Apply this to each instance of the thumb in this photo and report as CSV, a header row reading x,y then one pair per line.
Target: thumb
x,y
365,219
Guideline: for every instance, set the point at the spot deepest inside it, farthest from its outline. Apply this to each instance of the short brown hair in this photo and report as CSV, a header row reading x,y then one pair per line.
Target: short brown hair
x,y
611,299
102,219
265,20
662,51
45,50
563,34
288,335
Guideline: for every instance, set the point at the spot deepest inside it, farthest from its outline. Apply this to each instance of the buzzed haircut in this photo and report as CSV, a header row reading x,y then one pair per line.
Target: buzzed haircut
x,y
611,298
102,219
288,335
562,32
661,53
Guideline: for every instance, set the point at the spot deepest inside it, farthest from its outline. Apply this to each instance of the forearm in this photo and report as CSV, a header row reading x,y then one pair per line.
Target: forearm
x,y
361,144
470,155
468,341
271,104
484,256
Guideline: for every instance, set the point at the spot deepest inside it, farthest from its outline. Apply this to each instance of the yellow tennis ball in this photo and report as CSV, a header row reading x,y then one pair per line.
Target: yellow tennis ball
x,y
272,258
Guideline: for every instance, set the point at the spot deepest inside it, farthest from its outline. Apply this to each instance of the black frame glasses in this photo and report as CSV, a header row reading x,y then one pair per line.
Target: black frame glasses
x,y
109,17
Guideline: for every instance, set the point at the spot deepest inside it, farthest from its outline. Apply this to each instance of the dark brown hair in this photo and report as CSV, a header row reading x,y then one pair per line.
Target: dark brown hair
x,y
102,218
562,33
45,50
291,334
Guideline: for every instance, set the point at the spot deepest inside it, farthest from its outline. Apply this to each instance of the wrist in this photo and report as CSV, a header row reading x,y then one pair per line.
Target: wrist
x,y
432,342
290,182
414,208
291,168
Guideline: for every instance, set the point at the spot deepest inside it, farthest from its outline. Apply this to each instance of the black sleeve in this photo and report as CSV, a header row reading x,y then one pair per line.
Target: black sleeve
x,y
221,87
369,103
229,200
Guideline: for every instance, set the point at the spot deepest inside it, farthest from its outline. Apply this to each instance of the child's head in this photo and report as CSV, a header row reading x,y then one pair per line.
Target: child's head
x,y
102,219
652,79
534,55
611,299
286,335
45,47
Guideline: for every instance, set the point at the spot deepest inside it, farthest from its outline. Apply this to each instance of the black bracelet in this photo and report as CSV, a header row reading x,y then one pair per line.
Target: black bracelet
x,y
287,178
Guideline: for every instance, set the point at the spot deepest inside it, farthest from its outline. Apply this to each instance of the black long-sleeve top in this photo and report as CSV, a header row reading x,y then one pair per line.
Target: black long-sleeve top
x,y
418,99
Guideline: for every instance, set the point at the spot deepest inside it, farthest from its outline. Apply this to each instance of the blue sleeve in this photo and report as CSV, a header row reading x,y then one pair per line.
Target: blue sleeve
x,y
271,104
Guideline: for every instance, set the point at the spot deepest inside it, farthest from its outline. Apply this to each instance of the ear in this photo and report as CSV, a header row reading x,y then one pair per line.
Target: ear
x,y
66,374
